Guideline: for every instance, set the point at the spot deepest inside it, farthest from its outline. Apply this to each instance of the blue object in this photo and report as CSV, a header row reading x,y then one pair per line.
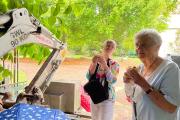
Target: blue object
x,y
32,112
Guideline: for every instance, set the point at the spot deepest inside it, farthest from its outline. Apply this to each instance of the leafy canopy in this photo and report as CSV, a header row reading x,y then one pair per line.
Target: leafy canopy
x,y
85,24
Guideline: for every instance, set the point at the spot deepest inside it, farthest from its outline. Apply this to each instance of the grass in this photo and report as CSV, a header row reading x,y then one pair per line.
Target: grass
x,y
77,56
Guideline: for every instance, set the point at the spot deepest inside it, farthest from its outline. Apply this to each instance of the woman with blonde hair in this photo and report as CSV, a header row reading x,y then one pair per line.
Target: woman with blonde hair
x,y
107,71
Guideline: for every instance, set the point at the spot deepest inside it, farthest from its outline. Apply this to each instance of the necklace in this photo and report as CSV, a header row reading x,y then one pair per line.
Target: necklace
x,y
150,66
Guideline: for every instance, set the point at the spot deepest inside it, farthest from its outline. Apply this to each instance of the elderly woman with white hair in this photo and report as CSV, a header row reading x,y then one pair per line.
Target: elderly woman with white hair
x,y
154,86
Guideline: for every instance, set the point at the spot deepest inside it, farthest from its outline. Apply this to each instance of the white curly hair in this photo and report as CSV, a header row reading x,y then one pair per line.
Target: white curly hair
x,y
149,34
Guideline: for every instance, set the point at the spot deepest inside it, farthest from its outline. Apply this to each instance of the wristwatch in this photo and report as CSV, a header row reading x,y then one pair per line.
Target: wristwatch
x,y
151,89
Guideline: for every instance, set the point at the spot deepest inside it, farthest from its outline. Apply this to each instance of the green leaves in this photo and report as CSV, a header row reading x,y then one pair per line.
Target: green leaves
x,y
56,10
36,52
52,20
68,10
85,24
3,7
43,6
1,69
4,73
8,56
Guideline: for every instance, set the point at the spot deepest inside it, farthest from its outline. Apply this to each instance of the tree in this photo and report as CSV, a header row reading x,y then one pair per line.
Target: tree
x,y
85,24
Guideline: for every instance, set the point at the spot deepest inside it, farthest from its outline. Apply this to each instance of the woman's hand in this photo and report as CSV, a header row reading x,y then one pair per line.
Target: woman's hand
x,y
92,67
95,59
126,78
135,76
138,79
102,62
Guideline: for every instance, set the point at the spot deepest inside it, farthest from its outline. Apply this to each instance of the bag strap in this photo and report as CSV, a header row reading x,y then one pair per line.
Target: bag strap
x,y
96,69
94,74
108,62
97,66
106,82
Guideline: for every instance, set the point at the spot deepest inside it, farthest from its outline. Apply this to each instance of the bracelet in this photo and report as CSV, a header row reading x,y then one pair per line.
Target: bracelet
x,y
151,89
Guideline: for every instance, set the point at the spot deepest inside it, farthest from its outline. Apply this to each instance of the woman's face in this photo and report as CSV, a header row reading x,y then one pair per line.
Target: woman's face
x,y
109,48
146,48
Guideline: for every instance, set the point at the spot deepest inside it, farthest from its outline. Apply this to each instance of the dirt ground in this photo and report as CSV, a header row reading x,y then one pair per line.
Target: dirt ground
x,y
75,70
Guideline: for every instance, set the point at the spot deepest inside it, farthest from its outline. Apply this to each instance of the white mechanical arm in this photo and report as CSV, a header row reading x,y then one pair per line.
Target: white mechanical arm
x,y
21,28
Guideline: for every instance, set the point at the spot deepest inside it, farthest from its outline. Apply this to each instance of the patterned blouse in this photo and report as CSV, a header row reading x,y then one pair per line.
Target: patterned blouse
x,y
111,76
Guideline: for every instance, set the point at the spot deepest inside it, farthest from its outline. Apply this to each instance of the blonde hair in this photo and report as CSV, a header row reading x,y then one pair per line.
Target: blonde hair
x,y
111,42
150,34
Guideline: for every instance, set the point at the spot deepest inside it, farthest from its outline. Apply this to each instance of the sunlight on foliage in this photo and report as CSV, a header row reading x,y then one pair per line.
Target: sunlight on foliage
x,y
85,24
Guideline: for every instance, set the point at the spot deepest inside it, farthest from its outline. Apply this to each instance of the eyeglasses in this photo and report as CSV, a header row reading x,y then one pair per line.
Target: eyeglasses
x,y
144,45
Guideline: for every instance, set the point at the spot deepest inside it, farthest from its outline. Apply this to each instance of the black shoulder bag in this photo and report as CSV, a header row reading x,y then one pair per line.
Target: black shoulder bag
x,y
96,89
